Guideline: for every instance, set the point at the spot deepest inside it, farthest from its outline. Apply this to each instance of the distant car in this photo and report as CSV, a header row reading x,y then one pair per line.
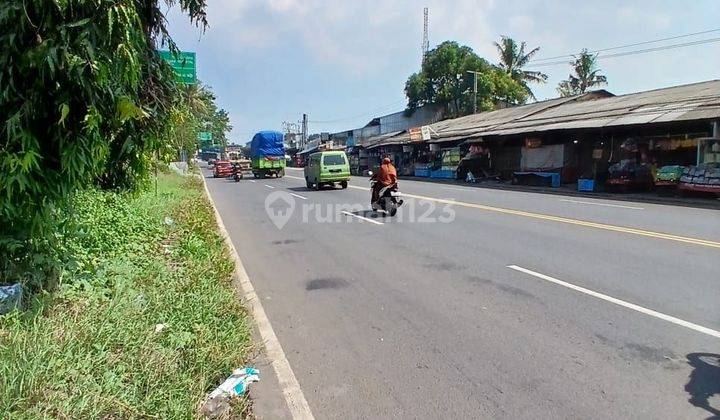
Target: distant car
x,y
211,161
223,169
327,168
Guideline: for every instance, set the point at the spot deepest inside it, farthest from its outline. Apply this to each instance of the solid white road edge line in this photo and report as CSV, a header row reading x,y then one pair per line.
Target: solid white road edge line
x,y
638,308
362,218
298,196
270,186
294,397
603,204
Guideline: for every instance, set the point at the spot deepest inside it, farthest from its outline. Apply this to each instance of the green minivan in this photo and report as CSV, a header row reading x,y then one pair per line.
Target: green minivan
x,y
327,168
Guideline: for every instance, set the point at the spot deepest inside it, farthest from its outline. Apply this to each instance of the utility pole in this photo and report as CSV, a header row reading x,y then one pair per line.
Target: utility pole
x,y
475,75
304,130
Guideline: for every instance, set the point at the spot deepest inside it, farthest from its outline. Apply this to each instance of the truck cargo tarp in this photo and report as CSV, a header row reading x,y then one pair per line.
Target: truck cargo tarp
x,y
267,143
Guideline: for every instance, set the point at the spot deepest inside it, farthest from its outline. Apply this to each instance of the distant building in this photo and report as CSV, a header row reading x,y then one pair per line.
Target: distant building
x,y
395,122
578,137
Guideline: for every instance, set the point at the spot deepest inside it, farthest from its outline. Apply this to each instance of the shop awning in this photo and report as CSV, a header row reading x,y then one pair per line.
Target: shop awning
x,y
473,140
592,110
465,137
311,150
377,141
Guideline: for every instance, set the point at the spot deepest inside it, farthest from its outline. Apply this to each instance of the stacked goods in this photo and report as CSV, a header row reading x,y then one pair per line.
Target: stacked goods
x,y
670,174
667,179
450,159
627,171
443,174
706,174
423,169
703,178
628,174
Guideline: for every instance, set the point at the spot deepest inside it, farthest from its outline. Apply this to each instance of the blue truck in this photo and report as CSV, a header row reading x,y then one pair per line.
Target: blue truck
x,y
267,154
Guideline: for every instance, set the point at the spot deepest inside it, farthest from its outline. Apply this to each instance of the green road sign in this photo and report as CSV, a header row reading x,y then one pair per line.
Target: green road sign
x,y
205,136
184,65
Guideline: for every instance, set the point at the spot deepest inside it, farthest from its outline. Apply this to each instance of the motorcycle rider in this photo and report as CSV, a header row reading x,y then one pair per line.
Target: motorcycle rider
x,y
384,177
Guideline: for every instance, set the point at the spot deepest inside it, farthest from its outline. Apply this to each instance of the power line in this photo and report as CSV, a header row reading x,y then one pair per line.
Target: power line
x,y
373,111
618,47
647,50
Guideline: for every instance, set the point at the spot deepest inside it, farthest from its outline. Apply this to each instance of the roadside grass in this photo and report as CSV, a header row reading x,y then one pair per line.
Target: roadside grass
x,y
144,321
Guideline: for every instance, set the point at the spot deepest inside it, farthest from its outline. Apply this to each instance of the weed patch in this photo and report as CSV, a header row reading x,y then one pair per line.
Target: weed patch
x,y
143,321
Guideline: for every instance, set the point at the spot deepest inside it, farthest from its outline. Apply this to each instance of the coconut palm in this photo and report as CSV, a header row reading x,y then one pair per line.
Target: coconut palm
x,y
586,75
513,59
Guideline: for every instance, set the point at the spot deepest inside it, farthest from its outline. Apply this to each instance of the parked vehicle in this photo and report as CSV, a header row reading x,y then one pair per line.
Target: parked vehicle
x,y
212,161
223,169
327,168
627,175
388,200
267,154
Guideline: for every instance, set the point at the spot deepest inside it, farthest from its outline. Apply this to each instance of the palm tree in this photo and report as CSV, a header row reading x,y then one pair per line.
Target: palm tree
x,y
566,89
513,59
586,75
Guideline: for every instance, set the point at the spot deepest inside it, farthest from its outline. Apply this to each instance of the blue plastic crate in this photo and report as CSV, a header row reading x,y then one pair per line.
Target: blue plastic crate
x,y
586,185
443,174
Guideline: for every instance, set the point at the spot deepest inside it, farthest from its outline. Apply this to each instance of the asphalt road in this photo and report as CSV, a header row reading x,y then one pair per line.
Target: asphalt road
x,y
420,316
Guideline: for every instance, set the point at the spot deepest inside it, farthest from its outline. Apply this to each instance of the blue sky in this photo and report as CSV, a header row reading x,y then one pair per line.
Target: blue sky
x,y
345,62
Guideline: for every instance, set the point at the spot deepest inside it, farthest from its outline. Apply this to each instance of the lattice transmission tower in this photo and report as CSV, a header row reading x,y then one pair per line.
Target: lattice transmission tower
x,y
425,40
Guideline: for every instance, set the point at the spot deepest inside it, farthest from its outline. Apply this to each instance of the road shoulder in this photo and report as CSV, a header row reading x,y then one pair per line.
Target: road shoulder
x,y
267,402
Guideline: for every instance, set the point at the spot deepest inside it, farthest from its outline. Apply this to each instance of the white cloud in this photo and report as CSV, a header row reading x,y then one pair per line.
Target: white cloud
x,y
284,5
371,46
521,23
655,18
358,36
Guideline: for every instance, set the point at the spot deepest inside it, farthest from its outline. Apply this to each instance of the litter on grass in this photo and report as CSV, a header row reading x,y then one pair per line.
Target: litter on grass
x,y
10,297
236,384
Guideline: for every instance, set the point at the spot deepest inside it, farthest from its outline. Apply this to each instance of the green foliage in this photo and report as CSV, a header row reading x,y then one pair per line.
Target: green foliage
x,y
90,349
512,60
504,88
84,100
196,112
587,75
444,79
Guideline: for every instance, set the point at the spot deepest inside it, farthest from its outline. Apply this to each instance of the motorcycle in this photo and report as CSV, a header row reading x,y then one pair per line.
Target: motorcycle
x,y
237,174
388,198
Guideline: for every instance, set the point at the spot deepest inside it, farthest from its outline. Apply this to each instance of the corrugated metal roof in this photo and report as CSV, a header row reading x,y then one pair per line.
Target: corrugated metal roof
x,y
402,138
453,138
374,141
483,121
699,101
